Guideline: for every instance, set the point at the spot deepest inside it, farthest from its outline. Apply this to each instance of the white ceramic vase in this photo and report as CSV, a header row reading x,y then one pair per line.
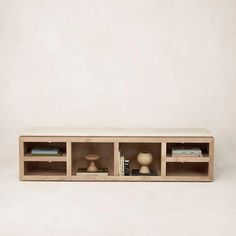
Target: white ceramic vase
x,y
144,159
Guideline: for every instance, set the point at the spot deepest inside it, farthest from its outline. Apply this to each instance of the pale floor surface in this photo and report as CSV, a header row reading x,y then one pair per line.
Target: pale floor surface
x,y
74,208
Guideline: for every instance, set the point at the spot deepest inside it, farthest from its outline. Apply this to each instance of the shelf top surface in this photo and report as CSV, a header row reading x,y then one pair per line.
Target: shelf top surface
x,y
114,132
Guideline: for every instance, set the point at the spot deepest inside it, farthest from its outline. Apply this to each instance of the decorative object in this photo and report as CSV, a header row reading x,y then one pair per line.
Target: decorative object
x,y
144,159
92,167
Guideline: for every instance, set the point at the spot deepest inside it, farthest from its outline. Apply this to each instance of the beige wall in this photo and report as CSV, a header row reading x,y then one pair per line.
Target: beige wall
x,y
117,63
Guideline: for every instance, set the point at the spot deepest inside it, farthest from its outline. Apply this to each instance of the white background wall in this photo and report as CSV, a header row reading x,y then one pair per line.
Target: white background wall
x,y
140,63
117,64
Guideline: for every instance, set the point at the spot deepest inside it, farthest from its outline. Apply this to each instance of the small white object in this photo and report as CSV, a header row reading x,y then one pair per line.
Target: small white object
x,y
144,159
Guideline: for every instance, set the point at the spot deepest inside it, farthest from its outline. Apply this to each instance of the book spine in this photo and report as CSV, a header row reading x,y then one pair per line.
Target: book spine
x,y
122,162
127,167
44,152
187,155
187,152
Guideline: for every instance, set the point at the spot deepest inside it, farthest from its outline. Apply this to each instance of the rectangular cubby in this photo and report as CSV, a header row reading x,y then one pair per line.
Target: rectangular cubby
x,y
28,146
186,169
104,150
45,168
203,146
130,151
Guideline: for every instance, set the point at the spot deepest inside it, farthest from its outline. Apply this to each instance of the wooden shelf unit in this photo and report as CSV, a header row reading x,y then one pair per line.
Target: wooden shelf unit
x,y
77,143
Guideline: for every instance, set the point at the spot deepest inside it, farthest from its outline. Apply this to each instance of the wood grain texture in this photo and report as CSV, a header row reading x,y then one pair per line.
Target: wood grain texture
x,y
211,161
187,159
48,168
68,159
21,157
115,132
163,159
116,158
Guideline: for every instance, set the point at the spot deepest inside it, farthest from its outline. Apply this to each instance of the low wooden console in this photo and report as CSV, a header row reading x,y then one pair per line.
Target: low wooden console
x,y
110,144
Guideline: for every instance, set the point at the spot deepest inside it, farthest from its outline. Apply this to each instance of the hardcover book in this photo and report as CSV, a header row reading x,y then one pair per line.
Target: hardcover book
x,y
100,172
136,173
127,167
187,155
122,165
45,151
186,151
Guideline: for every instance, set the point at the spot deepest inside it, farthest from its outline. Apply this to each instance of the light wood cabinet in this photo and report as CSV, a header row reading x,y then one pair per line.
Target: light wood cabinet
x,y
110,144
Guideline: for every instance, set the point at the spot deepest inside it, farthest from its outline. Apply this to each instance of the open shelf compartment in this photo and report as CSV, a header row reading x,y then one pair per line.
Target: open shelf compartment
x,y
45,168
104,150
187,169
203,146
28,146
130,151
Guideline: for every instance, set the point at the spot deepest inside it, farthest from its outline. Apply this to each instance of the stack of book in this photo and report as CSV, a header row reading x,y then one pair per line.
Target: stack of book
x,y
124,166
136,172
46,151
127,167
100,172
186,152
